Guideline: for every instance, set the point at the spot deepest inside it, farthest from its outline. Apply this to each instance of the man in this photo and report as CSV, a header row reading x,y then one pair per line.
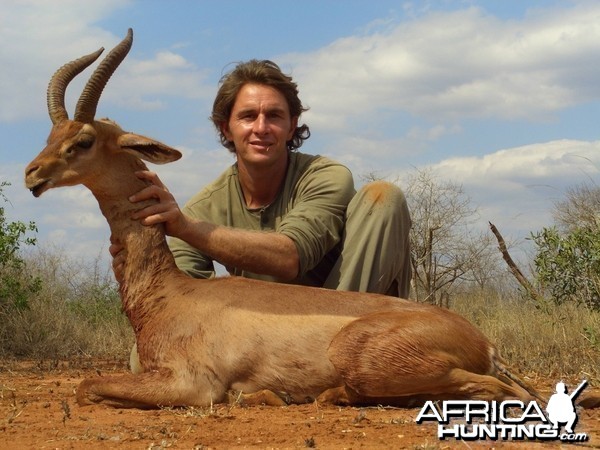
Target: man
x,y
278,214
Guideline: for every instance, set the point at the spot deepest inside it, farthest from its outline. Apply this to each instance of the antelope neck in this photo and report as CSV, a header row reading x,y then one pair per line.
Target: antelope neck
x,y
148,258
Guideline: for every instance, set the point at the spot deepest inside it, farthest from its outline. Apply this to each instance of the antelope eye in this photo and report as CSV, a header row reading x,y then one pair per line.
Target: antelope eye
x,y
86,142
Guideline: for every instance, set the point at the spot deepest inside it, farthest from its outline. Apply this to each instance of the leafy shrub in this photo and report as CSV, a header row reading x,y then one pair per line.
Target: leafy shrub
x,y
15,288
568,266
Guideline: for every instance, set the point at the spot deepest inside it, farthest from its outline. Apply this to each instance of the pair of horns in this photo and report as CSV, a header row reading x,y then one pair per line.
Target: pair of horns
x,y
88,101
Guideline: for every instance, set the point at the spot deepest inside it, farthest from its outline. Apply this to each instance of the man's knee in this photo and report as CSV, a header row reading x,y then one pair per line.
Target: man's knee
x,y
381,193
383,197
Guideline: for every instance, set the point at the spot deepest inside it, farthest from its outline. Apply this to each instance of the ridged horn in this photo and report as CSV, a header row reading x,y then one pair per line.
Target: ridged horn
x,y
58,85
88,102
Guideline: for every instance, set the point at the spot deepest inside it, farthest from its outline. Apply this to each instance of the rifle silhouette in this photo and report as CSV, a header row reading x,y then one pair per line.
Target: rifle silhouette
x,y
577,391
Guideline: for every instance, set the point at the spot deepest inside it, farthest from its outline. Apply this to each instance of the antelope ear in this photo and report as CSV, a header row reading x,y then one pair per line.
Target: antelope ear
x,y
148,149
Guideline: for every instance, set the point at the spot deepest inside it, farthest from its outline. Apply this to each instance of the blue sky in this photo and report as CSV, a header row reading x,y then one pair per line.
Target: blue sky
x,y
499,96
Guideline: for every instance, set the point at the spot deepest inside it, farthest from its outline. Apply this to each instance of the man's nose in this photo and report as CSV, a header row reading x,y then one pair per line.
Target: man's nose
x,y
260,124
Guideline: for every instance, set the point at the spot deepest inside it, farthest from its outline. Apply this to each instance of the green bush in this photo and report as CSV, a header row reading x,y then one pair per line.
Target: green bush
x,y
568,265
15,288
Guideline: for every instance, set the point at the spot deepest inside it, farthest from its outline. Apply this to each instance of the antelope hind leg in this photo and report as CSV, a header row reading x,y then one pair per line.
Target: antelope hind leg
x,y
146,390
468,385
589,401
458,384
426,354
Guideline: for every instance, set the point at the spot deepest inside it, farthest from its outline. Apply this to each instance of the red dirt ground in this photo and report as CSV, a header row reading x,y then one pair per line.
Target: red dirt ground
x,y
38,411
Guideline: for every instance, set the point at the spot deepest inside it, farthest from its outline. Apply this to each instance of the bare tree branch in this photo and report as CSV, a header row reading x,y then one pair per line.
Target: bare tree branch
x,y
523,281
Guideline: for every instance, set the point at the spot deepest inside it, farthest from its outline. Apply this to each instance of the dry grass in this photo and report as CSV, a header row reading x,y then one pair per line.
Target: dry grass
x,y
76,313
559,342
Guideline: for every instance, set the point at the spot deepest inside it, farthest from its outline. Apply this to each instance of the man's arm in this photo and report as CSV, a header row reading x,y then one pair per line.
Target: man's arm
x,y
264,252
268,253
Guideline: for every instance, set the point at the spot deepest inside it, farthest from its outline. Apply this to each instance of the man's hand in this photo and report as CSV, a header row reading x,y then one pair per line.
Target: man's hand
x,y
165,211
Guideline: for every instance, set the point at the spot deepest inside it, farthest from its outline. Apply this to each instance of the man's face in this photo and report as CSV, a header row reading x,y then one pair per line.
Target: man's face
x,y
260,125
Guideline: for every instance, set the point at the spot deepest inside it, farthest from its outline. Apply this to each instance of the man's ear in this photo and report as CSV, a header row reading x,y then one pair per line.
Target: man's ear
x,y
148,149
293,127
224,127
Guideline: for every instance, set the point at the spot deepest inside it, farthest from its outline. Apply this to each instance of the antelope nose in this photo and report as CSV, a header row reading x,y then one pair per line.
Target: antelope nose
x,y
30,169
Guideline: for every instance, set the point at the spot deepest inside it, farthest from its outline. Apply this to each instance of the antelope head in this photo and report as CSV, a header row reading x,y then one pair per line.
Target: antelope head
x,y
82,150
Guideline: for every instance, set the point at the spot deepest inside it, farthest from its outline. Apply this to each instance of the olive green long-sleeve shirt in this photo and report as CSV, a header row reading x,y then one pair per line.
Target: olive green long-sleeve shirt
x,y
309,208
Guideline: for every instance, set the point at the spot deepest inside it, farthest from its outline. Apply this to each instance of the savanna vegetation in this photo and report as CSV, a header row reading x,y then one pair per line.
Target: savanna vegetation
x,y
54,308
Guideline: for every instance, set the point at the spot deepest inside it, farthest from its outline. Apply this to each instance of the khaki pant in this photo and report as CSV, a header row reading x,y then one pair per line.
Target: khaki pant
x,y
375,254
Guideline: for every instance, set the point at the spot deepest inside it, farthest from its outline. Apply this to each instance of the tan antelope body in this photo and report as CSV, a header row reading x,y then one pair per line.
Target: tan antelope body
x,y
276,343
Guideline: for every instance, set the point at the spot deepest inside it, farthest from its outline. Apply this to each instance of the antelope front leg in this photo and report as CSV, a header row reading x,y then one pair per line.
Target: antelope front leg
x,y
264,397
337,396
146,390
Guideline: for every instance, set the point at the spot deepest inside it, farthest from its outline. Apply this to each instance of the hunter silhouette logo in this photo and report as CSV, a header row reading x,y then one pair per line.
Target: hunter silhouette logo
x,y
507,420
561,408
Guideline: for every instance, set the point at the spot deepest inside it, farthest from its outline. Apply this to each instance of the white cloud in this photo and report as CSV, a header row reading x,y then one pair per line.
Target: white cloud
x,y
36,36
39,36
516,188
433,133
456,64
557,160
140,84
